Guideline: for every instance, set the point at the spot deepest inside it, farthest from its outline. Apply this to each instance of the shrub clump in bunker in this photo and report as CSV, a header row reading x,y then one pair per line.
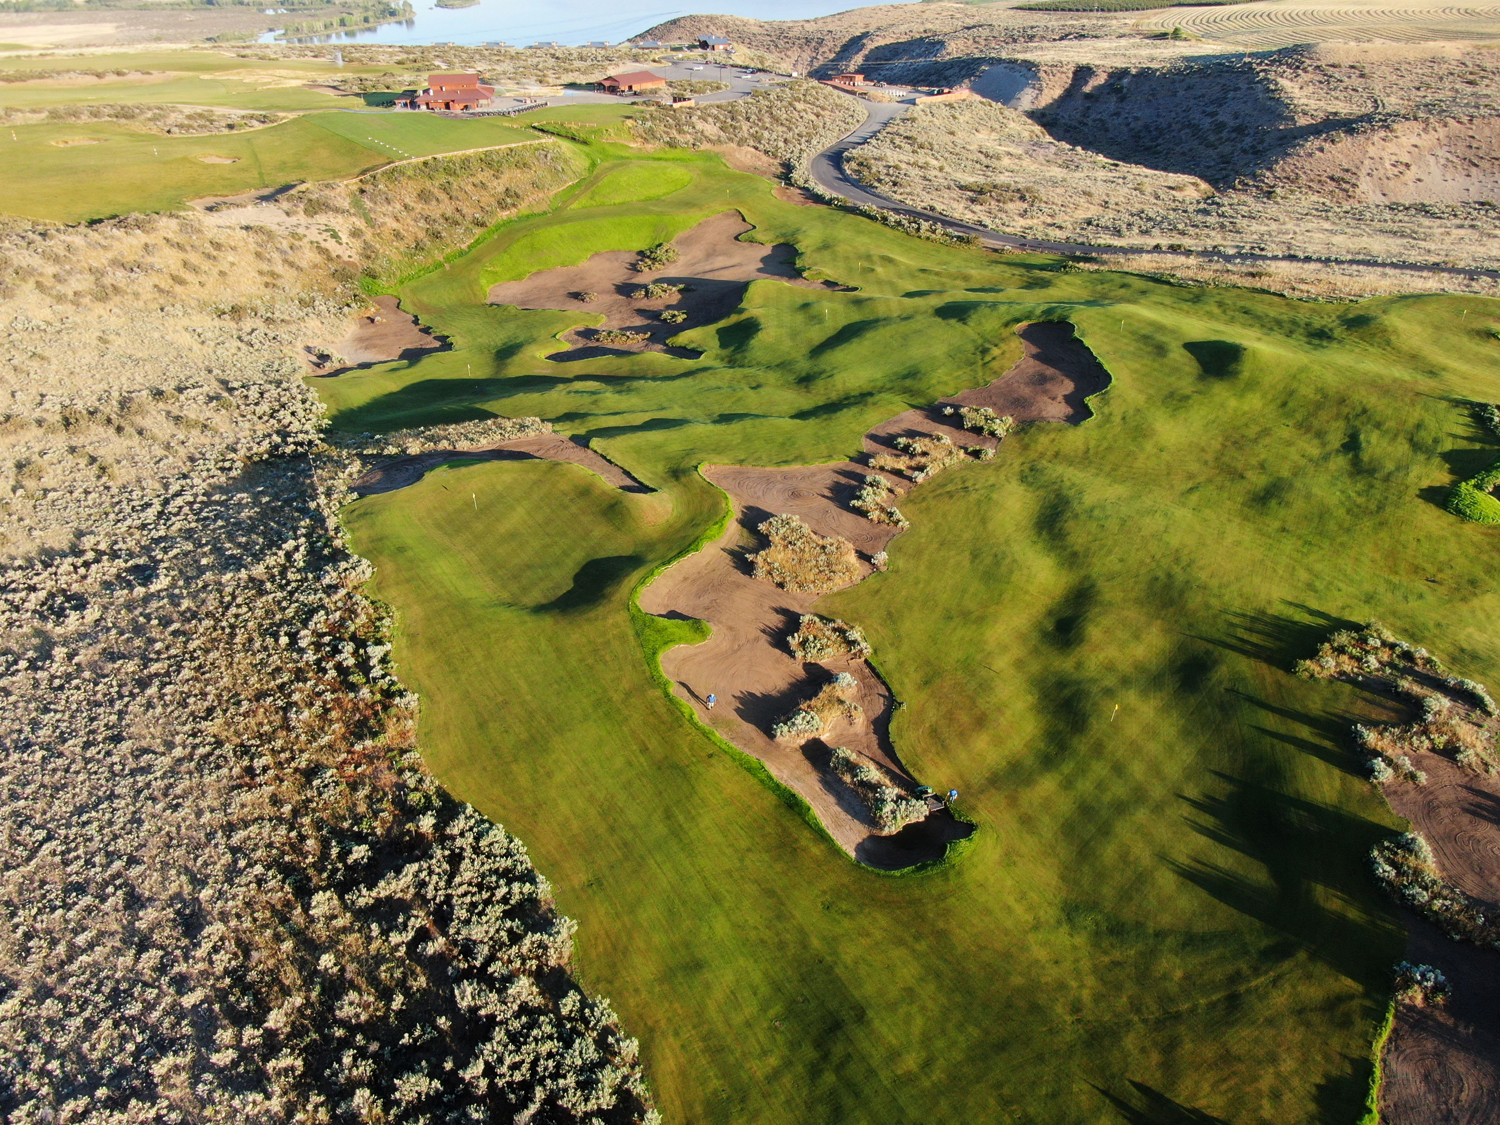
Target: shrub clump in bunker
x,y
812,718
1452,716
800,560
919,457
874,500
891,808
823,638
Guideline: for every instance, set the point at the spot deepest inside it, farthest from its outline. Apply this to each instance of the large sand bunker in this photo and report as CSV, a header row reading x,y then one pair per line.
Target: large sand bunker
x,y
714,267
746,663
381,334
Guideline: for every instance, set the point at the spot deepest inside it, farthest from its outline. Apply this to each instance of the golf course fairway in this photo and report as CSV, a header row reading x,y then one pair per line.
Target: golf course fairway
x,y
1165,912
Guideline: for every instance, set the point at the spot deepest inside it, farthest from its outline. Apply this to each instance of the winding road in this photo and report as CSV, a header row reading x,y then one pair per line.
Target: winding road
x,y
828,171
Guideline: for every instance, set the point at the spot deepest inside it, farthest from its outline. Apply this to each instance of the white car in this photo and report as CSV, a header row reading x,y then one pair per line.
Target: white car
x,y
695,68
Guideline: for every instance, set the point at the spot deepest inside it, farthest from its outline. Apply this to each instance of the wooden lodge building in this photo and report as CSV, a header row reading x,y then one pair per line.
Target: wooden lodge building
x,y
450,92
632,82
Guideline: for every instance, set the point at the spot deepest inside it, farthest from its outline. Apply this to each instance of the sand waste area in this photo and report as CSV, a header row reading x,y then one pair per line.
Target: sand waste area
x,y
713,269
382,333
1443,1063
746,662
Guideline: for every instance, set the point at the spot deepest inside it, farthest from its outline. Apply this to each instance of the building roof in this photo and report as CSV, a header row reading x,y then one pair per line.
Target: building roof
x,y
714,41
453,80
634,78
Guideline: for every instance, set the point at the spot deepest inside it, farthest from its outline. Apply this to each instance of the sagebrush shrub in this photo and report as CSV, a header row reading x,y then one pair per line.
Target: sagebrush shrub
x,y
890,807
800,560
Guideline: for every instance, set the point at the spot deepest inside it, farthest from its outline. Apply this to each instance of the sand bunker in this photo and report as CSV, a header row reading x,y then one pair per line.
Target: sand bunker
x,y
1443,1064
71,142
381,334
400,472
714,267
210,158
746,663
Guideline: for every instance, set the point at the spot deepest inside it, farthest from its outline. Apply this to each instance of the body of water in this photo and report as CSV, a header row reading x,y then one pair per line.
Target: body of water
x,y
520,23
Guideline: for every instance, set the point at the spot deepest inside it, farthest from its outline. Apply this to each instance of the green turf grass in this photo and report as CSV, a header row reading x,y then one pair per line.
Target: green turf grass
x,y
203,78
1166,908
129,170
401,135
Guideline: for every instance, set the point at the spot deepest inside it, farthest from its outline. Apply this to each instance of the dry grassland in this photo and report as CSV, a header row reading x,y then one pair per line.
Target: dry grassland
x,y
231,891
168,120
788,124
1376,155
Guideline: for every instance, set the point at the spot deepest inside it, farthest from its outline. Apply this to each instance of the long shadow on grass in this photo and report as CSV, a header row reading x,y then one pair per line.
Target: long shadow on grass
x,y
1152,1107
1278,639
1310,853
593,583
460,400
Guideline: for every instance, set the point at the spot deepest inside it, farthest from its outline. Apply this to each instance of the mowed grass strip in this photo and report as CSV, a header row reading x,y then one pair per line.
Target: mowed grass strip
x,y
402,135
73,171
70,172
1166,904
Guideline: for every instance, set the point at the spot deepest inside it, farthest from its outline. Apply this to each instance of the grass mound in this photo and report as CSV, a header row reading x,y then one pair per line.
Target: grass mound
x,y
1474,499
803,561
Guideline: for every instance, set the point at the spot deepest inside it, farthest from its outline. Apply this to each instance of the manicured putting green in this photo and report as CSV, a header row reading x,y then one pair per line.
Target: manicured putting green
x,y
1166,910
635,182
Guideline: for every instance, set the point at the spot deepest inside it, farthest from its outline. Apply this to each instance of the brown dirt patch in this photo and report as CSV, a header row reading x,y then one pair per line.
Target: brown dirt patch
x,y
746,662
788,194
401,472
713,263
1443,162
381,334
742,158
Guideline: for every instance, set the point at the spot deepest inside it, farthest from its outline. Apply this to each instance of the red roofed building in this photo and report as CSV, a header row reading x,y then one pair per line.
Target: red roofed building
x,y
633,82
449,91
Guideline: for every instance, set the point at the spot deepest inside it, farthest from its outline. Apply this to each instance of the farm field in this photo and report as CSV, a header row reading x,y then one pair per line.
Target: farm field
x,y
1285,23
1165,911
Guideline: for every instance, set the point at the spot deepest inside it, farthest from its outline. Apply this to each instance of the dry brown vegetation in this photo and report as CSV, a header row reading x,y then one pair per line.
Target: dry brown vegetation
x,y
799,559
231,891
1305,152
918,458
169,120
1359,154
813,716
1449,715
821,638
788,123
